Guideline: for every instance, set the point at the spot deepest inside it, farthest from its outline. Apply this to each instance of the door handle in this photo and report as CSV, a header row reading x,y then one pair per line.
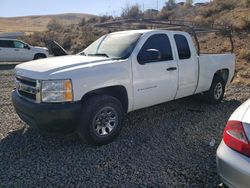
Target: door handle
x,y
171,68
16,49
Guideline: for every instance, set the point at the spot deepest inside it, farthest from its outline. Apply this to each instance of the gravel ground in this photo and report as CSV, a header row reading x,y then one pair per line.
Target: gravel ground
x,y
162,146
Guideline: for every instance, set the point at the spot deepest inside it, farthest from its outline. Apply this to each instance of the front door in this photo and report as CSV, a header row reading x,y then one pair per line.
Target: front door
x,y
22,53
154,81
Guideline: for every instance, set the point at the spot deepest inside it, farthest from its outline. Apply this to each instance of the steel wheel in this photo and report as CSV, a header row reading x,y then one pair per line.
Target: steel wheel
x,y
218,90
101,119
105,121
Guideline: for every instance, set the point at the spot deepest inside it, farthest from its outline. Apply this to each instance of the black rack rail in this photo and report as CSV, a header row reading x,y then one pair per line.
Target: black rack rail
x,y
193,28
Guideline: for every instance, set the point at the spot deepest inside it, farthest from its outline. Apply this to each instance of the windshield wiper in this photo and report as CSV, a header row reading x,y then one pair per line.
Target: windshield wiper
x,y
99,54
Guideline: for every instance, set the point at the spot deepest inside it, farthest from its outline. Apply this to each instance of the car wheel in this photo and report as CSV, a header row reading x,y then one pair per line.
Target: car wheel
x,y
216,91
39,56
100,120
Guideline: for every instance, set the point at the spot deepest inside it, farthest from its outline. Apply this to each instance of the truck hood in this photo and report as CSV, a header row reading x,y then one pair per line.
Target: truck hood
x,y
44,68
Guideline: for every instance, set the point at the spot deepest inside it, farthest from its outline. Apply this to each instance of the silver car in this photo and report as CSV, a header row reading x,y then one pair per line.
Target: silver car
x,y
233,154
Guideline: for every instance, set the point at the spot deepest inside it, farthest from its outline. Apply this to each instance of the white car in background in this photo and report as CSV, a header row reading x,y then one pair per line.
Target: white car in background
x,y
17,50
233,154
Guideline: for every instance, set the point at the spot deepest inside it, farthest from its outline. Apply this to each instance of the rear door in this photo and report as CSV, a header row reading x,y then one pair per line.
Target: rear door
x,y
7,50
154,82
187,64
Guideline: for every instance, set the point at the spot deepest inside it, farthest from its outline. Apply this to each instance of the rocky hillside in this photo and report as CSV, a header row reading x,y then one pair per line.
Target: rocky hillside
x,y
231,12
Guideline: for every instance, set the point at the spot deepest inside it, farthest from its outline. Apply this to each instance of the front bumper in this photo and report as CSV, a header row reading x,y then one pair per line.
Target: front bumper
x,y
233,167
61,117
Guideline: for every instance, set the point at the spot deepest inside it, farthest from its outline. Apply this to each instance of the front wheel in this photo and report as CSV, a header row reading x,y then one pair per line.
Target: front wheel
x,y
101,120
216,91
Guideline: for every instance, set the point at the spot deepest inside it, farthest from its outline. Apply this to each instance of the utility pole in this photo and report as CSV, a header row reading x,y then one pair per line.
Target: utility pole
x,y
157,5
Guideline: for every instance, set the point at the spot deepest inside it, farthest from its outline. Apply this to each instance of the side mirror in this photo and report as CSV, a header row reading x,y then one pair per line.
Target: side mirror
x,y
26,46
150,55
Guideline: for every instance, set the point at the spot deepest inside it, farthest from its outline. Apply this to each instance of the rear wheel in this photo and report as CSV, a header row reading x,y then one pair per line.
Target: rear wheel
x,y
101,120
216,91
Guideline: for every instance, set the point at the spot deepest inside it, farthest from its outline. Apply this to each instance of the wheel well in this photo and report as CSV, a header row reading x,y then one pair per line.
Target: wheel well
x,y
119,92
40,54
223,73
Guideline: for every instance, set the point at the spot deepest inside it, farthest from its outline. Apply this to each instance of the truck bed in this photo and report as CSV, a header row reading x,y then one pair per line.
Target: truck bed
x,y
209,63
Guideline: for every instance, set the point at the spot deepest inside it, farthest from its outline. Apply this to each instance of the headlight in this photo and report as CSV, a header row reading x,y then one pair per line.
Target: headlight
x,y
57,91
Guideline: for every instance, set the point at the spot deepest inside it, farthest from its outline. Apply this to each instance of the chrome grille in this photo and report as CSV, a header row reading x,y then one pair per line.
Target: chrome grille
x,y
26,87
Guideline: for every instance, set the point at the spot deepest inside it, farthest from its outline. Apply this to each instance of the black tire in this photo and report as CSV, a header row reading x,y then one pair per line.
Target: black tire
x,y
216,91
92,123
39,56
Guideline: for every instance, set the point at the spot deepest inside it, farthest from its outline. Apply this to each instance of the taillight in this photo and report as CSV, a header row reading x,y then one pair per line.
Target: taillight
x,y
235,137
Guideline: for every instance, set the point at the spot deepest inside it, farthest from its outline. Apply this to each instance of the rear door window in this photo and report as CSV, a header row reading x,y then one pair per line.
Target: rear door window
x,y
182,46
6,44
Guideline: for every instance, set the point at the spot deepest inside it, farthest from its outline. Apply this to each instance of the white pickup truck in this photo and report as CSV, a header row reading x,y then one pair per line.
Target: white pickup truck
x,y
120,72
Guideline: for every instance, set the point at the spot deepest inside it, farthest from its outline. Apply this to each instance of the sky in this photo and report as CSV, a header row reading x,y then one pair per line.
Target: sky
x,y
12,8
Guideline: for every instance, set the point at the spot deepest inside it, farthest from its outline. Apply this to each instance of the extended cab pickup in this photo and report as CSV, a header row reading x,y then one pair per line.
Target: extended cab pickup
x,y
120,72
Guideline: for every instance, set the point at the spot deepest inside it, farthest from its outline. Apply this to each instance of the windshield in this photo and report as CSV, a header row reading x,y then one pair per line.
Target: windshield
x,y
114,45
